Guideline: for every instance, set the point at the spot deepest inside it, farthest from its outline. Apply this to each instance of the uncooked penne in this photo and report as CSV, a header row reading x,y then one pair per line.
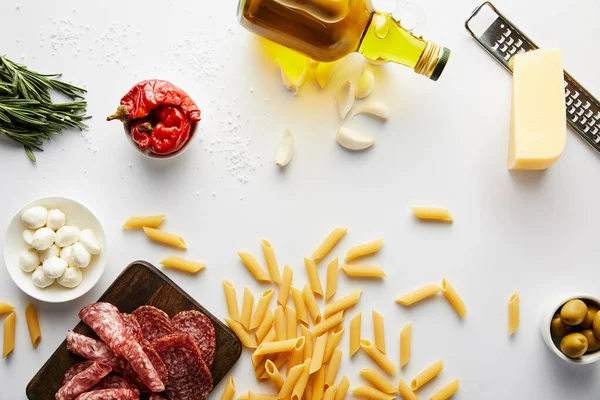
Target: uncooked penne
x,y
378,331
342,388
426,375
405,343
247,304
284,287
282,346
432,214
313,276
308,343
271,261
274,374
363,271
291,323
327,324
254,267
33,325
265,326
364,249
332,274
8,343
355,334
297,356
148,221
261,309
5,307
378,357
332,367
318,384
290,381
513,313
300,306
261,396
332,342
183,264
300,385
405,391
318,351
241,333
244,396
447,391
330,241
418,294
308,392
342,303
280,324
372,393
378,381
165,237
311,304
453,298
330,393
229,391
231,300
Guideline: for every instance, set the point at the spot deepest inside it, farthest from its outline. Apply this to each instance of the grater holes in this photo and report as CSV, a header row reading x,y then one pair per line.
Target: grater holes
x,y
569,101
583,120
571,110
587,105
500,39
510,41
597,116
597,139
495,47
575,95
567,92
507,33
592,122
512,50
594,131
578,104
589,113
507,57
580,112
504,48
586,129
519,43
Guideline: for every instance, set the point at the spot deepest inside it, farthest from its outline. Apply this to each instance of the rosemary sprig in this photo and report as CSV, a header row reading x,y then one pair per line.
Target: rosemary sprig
x,y
27,113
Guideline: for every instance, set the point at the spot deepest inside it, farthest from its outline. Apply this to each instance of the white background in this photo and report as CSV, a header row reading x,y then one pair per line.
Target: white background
x,y
445,144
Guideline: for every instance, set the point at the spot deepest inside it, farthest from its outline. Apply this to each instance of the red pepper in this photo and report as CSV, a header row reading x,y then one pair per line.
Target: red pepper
x,y
171,132
140,134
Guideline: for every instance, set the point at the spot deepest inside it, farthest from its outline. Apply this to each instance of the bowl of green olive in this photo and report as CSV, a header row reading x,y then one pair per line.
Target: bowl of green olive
x,y
571,328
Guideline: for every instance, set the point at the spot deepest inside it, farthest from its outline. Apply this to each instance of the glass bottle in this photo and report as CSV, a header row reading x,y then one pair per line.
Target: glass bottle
x,y
327,30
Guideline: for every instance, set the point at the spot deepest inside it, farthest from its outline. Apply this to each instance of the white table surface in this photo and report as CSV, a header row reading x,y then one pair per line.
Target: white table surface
x,y
445,144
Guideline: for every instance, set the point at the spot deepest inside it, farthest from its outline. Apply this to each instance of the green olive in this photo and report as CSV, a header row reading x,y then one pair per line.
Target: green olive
x,y
558,328
589,318
574,345
573,312
593,342
596,325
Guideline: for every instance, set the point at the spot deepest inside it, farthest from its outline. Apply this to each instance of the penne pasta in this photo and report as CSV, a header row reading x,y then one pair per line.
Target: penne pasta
x,y
330,393
241,333
274,374
405,342
426,375
148,221
290,381
378,381
318,384
308,343
332,367
313,276
284,288
291,323
332,274
244,396
165,237
330,241
378,357
453,298
372,393
257,359
261,396
5,307
265,326
269,337
297,356
311,304
254,267
280,360
183,264
364,249
405,391
231,300
229,391
261,309
513,313
342,303
8,343
418,294
432,214
332,342
355,334
318,351
342,388
271,261
378,331
33,325
301,314
300,385
281,346
363,271
447,391
308,392
327,324
280,324
247,304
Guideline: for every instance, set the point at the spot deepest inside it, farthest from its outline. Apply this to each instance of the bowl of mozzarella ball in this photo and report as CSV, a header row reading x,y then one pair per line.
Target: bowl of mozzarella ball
x,y
570,328
54,249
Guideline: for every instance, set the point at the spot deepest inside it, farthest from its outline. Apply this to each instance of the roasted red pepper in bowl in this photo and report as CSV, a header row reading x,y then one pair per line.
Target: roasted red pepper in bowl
x,y
160,116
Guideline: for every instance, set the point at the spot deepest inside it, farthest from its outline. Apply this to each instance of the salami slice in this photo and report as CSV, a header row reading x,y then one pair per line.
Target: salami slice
x,y
139,361
105,319
201,330
132,327
155,323
112,382
109,394
189,377
156,397
156,361
83,381
75,369
91,349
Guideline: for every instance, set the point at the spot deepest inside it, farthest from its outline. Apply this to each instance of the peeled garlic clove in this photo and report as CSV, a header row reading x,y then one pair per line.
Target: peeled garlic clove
x,y
349,68
366,83
376,108
293,74
345,99
285,149
353,140
324,71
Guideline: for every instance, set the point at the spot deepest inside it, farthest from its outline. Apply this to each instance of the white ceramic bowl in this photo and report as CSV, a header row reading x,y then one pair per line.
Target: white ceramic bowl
x,y
551,309
77,215
149,154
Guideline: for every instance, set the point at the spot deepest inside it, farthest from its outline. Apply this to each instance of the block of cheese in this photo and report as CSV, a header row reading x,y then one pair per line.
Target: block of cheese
x,y
538,123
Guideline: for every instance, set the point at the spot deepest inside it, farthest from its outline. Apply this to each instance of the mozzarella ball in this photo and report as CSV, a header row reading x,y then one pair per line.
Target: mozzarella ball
x,y
52,251
35,217
71,278
29,260
54,267
56,219
39,279
81,257
67,235
43,239
89,240
28,236
66,253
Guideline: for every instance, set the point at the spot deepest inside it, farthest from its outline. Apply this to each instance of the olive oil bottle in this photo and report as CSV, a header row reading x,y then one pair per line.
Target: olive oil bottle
x,y
327,30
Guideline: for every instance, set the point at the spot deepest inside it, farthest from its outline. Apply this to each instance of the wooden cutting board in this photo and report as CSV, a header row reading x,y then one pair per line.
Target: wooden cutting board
x,y
139,284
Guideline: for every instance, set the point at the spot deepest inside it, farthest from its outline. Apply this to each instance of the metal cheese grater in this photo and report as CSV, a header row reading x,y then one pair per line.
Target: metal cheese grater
x,y
502,40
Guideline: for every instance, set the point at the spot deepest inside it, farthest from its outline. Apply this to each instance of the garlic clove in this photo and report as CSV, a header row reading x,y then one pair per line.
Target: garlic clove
x,y
353,140
285,148
366,83
324,71
376,108
293,73
349,68
345,99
